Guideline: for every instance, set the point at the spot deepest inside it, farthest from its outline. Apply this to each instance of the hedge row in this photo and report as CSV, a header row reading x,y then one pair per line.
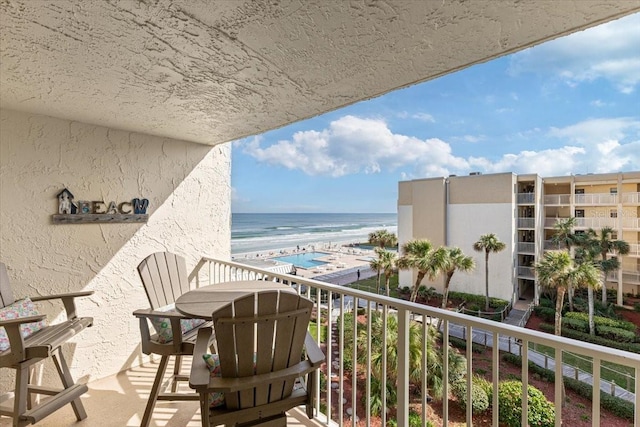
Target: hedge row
x,y
603,321
615,405
478,299
582,336
545,313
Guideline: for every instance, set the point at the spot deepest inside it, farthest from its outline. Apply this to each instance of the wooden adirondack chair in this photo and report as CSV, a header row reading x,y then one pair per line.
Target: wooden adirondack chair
x,y
25,352
262,373
164,276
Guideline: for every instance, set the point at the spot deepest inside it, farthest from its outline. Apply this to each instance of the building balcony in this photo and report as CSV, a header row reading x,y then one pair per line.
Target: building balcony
x,y
596,222
596,199
527,223
628,276
526,273
551,222
120,399
526,198
631,198
336,301
557,199
527,247
634,250
631,223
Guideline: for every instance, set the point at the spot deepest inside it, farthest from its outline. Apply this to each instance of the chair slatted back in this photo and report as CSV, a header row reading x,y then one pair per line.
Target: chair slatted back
x,y
164,276
258,334
6,294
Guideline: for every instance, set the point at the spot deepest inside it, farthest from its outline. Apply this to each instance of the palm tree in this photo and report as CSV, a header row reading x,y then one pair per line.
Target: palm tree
x,y
384,264
603,244
557,270
421,255
488,243
383,238
455,260
565,238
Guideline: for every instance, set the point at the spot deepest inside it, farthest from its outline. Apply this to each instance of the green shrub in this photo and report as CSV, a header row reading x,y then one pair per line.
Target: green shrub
x,y
616,334
603,321
636,306
541,412
545,313
582,336
575,324
615,405
479,400
546,302
486,385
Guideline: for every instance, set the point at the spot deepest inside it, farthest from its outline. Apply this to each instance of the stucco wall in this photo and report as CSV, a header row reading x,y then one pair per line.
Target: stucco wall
x,y
188,187
468,223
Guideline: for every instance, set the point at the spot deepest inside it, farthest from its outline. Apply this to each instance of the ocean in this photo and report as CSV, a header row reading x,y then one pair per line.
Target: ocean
x,y
253,232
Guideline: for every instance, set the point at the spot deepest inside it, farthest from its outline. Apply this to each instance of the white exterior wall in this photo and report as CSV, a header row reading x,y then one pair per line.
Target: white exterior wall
x,y
188,187
467,222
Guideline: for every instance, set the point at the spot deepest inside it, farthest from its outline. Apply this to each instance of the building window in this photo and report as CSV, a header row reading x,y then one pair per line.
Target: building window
x,y
579,213
613,190
613,213
579,190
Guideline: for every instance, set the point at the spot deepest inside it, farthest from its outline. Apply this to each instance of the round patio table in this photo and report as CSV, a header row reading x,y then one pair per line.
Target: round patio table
x,y
202,302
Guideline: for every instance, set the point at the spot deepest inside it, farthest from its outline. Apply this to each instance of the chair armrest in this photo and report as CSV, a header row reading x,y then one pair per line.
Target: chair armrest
x,y
12,329
230,385
200,375
68,300
314,354
156,314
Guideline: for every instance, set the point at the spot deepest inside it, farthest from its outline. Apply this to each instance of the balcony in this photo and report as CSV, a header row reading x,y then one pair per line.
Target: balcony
x,y
596,199
557,199
551,222
596,222
526,223
526,198
527,247
628,276
634,250
336,301
631,198
631,223
526,273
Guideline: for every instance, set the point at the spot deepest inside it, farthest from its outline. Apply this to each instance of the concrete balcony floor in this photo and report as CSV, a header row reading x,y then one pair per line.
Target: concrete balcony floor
x,y
120,401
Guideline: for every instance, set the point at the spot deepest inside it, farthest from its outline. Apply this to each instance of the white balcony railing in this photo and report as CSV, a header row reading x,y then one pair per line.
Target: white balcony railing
x,y
634,250
526,222
333,301
631,198
526,272
526,198
596,222
557,199
550,222
592,199
527,247
631,223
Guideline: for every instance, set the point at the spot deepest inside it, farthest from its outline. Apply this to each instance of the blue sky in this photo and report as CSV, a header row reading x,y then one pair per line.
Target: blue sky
x,y
571,105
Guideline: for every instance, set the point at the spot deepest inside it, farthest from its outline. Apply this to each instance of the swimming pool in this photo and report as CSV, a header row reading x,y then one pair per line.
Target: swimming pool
x,y
304,259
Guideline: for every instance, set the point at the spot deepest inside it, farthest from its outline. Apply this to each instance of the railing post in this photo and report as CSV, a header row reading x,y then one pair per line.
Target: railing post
x,y
403,368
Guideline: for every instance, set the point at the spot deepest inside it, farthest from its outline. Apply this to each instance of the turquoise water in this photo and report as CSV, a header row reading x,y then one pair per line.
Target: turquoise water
x,y
304,260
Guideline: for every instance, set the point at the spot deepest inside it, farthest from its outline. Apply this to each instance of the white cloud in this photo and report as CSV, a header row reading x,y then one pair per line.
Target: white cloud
x,y
353,145
609,51
424,117
598,103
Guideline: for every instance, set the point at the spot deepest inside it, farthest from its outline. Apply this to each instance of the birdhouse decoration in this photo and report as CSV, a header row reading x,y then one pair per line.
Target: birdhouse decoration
x,y
65,203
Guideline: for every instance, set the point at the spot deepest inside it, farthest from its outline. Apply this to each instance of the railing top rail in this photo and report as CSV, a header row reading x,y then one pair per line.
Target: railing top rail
x,y
567,344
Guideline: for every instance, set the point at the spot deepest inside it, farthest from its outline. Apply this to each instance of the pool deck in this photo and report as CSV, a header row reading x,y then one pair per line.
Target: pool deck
x,y
340,260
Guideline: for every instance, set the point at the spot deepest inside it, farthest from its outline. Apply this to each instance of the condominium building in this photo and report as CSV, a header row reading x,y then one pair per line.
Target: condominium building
x,y
521,211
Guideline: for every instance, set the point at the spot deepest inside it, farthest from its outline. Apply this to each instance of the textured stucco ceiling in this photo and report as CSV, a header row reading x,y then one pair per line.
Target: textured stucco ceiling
x,y
213,71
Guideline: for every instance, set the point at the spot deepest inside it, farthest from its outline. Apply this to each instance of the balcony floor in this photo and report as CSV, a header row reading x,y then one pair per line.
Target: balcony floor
x,y
120,400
